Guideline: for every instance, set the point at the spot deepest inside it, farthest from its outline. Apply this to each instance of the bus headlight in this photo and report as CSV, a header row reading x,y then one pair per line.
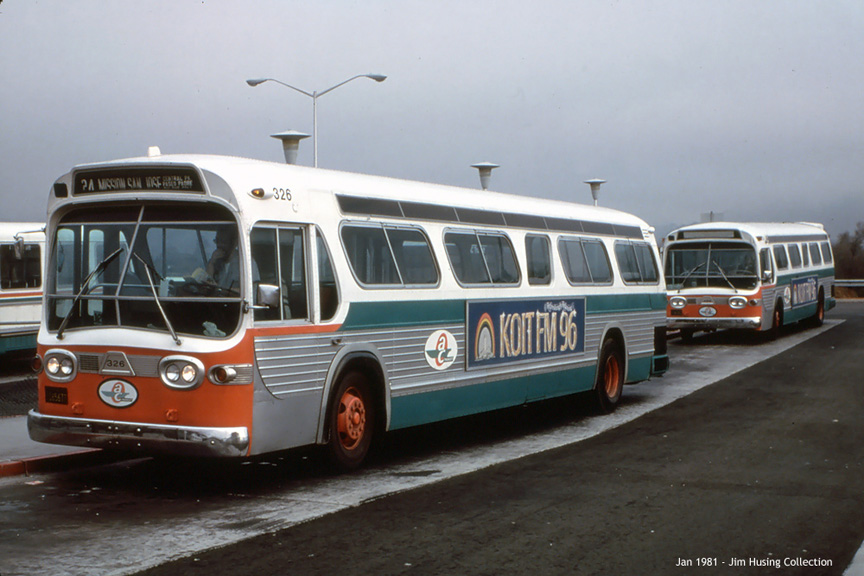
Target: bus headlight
x,y
60,365
737,302
677,302
181,372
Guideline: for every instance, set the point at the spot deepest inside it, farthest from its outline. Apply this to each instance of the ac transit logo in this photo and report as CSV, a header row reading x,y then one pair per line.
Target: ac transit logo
x,y
441,350
118,393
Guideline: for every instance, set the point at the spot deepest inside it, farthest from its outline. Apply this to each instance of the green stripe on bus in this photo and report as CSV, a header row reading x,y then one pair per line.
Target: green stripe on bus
x,y
604,304
371,315
367,315
427,407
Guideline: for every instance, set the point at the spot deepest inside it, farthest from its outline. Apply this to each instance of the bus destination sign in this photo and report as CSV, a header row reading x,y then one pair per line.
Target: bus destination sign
x,y
149,179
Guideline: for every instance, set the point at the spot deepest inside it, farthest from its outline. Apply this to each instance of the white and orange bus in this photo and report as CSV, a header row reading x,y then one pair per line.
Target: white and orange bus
x,y
22,248
755,276
232,307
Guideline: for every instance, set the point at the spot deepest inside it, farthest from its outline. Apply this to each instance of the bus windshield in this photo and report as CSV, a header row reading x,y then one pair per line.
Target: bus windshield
x,y
158,267
711,264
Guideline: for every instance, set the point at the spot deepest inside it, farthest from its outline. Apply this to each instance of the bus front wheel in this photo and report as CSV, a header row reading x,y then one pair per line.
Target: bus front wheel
x,y
610,376
351,421
776,321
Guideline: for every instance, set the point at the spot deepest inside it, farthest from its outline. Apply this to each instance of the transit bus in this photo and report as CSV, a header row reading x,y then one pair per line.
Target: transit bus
x,y
219,306
753,276
21,257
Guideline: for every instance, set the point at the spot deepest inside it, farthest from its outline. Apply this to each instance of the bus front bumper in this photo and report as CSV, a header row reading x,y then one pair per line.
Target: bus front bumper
x,y
144,438
751,323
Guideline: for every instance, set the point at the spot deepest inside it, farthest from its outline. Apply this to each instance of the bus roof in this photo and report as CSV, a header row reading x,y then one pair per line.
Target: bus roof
x,y
244,174
8,230
762,231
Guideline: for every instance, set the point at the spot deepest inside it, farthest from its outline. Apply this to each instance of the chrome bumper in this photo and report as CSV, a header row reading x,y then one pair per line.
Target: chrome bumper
x,y
753,323
144,438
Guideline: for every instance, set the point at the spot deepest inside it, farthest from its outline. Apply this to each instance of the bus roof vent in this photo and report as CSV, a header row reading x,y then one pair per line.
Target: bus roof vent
x,y
485,169
290,144
153,151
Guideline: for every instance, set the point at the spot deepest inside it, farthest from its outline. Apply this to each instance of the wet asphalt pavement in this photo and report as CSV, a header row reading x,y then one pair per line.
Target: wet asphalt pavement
x,y
759,473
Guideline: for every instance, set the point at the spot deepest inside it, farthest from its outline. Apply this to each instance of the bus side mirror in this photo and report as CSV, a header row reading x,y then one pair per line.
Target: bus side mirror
x,y
269,295
767,276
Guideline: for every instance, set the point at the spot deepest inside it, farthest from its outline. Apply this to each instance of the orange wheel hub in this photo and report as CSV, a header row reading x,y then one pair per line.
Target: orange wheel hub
x,y
351,419
612,374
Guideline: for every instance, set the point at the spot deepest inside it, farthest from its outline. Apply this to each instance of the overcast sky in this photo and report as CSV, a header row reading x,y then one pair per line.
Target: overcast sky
x,y
752,109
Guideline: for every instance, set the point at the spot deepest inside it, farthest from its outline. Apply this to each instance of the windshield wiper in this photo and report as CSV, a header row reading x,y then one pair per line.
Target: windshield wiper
x,y
722,273
98,269
147,268
690,273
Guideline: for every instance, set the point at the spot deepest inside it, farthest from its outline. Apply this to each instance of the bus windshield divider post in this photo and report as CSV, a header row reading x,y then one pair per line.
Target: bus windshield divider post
x,y
156,298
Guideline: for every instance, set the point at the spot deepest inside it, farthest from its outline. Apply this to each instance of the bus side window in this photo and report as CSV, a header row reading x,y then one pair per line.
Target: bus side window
x,y
598,261
370,256
413,256
538,259
328,294
264,260
467,263
20,267
826,252
794,256
647,263
805,255
281,265
815,256
292,267
573,258
500,258
636,262
627,264
765,266
780,257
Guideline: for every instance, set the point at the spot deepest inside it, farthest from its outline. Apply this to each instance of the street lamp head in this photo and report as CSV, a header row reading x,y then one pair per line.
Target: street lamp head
x,y
256,81
376,77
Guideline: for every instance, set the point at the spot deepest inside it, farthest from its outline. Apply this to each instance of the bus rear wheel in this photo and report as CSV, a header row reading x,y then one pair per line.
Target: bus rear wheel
x,y
819,318
610,376
351,421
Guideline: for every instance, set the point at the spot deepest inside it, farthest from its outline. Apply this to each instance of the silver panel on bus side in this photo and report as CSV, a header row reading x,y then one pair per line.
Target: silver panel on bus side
x,y
292,369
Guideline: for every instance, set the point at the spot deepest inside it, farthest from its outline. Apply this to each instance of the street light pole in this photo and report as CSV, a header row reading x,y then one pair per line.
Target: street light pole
x,y
315,95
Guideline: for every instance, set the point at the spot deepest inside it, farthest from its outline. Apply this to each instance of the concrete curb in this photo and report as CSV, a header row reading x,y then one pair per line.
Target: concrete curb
x,y
54,462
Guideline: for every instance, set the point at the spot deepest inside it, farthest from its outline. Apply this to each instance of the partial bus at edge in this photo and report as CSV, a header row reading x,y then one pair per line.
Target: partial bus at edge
x,y
21,256
217,306
749,276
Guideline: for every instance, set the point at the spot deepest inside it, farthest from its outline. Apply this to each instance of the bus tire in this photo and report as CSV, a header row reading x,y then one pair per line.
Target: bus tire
x,y
610,375
819,318
776,320
351,421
